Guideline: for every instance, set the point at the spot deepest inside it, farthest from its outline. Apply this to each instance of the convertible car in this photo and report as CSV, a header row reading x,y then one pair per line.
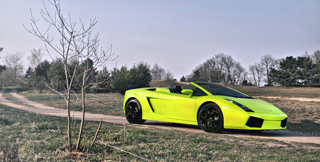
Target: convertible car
x,y
211,106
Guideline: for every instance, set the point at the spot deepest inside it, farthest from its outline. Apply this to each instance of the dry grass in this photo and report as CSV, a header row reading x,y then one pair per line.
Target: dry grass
x,y
302,116
160,83
43,138
306,92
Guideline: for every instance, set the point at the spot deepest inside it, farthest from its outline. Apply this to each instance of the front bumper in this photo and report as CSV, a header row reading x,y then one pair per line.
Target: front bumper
x,y
256,121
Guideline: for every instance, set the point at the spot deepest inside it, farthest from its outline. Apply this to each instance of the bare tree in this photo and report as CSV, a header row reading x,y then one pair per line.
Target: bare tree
x,y
252,70
14,66
257,73
92,57
268,62
316,60
238,73
228,64
2,68
35,58
210,71
157,72
4,81
316,57
75,42
67,32
220,68
259,70
244,77
168,75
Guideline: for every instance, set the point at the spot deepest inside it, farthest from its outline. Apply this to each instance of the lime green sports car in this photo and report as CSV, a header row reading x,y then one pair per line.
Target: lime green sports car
x,y
211,106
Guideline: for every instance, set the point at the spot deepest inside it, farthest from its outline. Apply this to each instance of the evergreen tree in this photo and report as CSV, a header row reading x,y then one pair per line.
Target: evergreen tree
x,y
120,79
41,70
56,75
29,72
124,79
298,71
39,76
103,80
140,76
182,79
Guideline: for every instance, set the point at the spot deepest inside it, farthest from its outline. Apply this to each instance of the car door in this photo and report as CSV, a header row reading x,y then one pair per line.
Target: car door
x,y
178,106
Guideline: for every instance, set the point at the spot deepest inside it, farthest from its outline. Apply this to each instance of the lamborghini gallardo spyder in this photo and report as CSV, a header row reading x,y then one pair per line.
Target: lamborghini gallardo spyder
x,y
211,106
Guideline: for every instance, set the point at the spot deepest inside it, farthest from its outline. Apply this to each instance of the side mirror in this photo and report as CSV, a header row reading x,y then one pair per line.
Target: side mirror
x,y
187,91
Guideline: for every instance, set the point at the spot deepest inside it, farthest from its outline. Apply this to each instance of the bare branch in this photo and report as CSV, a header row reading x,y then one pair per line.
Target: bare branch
x,y
56,91
125,151
95,136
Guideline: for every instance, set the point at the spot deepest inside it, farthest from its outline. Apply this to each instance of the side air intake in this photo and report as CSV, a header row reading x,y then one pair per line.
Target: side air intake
x,y
254,122
284,122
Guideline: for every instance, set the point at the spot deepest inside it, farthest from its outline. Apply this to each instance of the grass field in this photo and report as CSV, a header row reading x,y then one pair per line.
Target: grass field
x,y
101,103
43,138
31,137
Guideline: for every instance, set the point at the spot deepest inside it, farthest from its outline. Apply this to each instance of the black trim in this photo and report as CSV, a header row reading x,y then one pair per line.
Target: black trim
x,y
254,122
284,122
150,104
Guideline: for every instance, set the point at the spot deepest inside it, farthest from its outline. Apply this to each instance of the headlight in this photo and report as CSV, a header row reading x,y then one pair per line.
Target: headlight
x,y
240,105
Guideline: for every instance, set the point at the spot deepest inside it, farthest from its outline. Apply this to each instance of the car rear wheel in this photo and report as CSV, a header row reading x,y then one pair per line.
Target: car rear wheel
x,y
133,112
210,118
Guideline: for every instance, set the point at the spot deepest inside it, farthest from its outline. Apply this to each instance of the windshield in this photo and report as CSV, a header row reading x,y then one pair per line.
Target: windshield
x,y
216,89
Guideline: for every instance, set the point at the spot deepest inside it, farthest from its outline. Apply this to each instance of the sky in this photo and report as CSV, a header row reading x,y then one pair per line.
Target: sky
x,y
178,35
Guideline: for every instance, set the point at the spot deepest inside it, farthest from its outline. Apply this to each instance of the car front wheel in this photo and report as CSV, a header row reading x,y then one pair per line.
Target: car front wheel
x,y
210,118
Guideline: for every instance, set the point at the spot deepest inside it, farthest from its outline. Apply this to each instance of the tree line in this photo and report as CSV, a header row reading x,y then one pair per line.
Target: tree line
x,y
104,80
300,71
221,68
46,74
290,71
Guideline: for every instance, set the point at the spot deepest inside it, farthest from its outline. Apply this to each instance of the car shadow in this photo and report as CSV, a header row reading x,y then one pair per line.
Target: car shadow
x,y
265,133
173,125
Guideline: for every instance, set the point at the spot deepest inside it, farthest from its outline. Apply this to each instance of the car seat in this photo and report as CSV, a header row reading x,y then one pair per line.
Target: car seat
x,y
176,89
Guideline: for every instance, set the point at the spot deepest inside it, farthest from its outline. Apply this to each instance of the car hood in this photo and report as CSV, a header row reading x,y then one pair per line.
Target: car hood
x,y
257,105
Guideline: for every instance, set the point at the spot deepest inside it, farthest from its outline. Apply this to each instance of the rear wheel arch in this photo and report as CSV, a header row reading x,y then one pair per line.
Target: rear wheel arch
x,y
131,98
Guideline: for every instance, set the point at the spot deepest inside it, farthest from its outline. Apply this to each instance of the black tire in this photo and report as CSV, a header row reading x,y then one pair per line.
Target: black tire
x,y
210,118
133,112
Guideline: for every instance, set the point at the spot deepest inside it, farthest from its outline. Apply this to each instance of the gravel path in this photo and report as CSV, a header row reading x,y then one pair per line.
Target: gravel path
x,y
281,135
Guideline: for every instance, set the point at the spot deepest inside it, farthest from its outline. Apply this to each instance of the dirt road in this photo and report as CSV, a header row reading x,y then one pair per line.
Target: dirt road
x,y
27,105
